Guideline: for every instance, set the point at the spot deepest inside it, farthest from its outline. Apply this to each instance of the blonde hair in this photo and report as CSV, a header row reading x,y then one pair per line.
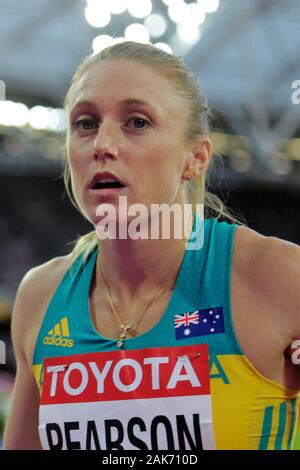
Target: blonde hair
x,y
198,124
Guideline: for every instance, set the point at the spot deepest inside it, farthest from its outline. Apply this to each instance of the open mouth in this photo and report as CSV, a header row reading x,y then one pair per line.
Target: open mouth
x,y
108,185
106,181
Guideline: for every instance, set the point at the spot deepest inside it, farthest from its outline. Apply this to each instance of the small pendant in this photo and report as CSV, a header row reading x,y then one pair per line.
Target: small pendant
x,y
125,327
123,335
120,343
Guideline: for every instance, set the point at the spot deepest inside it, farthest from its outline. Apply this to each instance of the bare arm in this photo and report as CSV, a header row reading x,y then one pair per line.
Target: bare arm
x,y
265,293
276,272
32,299
22,426
281,278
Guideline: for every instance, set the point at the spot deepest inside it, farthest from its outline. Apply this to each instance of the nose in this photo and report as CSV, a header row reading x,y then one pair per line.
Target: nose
x,y
106,142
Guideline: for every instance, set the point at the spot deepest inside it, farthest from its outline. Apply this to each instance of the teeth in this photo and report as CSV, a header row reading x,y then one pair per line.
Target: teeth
x,y
106,180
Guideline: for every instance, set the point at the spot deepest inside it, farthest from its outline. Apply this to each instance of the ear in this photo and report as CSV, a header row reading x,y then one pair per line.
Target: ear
x,y
200,156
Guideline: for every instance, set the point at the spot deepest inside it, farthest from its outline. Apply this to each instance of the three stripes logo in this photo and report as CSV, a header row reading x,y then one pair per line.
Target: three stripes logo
x,y
59,335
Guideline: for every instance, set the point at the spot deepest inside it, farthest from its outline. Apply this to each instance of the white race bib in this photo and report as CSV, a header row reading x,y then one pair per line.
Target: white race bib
x,y
148,399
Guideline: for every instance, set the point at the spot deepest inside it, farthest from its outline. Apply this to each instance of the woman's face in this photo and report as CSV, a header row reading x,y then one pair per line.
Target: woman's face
x,y
128,120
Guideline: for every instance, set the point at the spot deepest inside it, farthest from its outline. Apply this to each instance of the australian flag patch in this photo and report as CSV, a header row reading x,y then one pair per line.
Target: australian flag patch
x,y
208,321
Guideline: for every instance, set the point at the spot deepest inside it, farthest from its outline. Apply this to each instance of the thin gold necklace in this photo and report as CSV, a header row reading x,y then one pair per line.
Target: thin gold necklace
x,y
128,326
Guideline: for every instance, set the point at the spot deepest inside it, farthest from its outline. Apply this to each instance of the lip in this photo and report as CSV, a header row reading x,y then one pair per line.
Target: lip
x,y
105,174
106,192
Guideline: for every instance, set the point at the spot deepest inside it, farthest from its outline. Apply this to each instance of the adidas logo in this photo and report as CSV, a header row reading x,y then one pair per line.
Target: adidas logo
x,y
59,335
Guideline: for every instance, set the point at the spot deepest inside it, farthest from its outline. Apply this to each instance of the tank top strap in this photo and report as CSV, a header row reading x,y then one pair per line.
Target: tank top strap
x,y
65,316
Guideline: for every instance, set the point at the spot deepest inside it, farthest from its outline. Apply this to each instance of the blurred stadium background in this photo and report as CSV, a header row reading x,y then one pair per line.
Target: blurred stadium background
x,y
246,57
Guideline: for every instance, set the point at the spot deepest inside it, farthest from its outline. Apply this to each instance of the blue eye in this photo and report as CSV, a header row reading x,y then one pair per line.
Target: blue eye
x,y
88,124
139,123
85,124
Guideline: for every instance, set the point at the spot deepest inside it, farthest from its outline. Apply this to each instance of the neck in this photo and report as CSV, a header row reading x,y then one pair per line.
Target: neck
x,y
133,268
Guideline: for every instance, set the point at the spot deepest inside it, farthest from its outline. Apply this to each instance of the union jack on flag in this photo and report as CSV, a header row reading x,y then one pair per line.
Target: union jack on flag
x,y
207,321
186,319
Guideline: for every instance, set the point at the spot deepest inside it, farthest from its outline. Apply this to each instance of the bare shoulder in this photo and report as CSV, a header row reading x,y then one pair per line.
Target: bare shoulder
x,y
42,277
249,244
270,267
33,296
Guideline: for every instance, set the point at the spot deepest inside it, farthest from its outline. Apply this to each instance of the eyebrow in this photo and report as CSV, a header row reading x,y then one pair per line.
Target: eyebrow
x,y
124,103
